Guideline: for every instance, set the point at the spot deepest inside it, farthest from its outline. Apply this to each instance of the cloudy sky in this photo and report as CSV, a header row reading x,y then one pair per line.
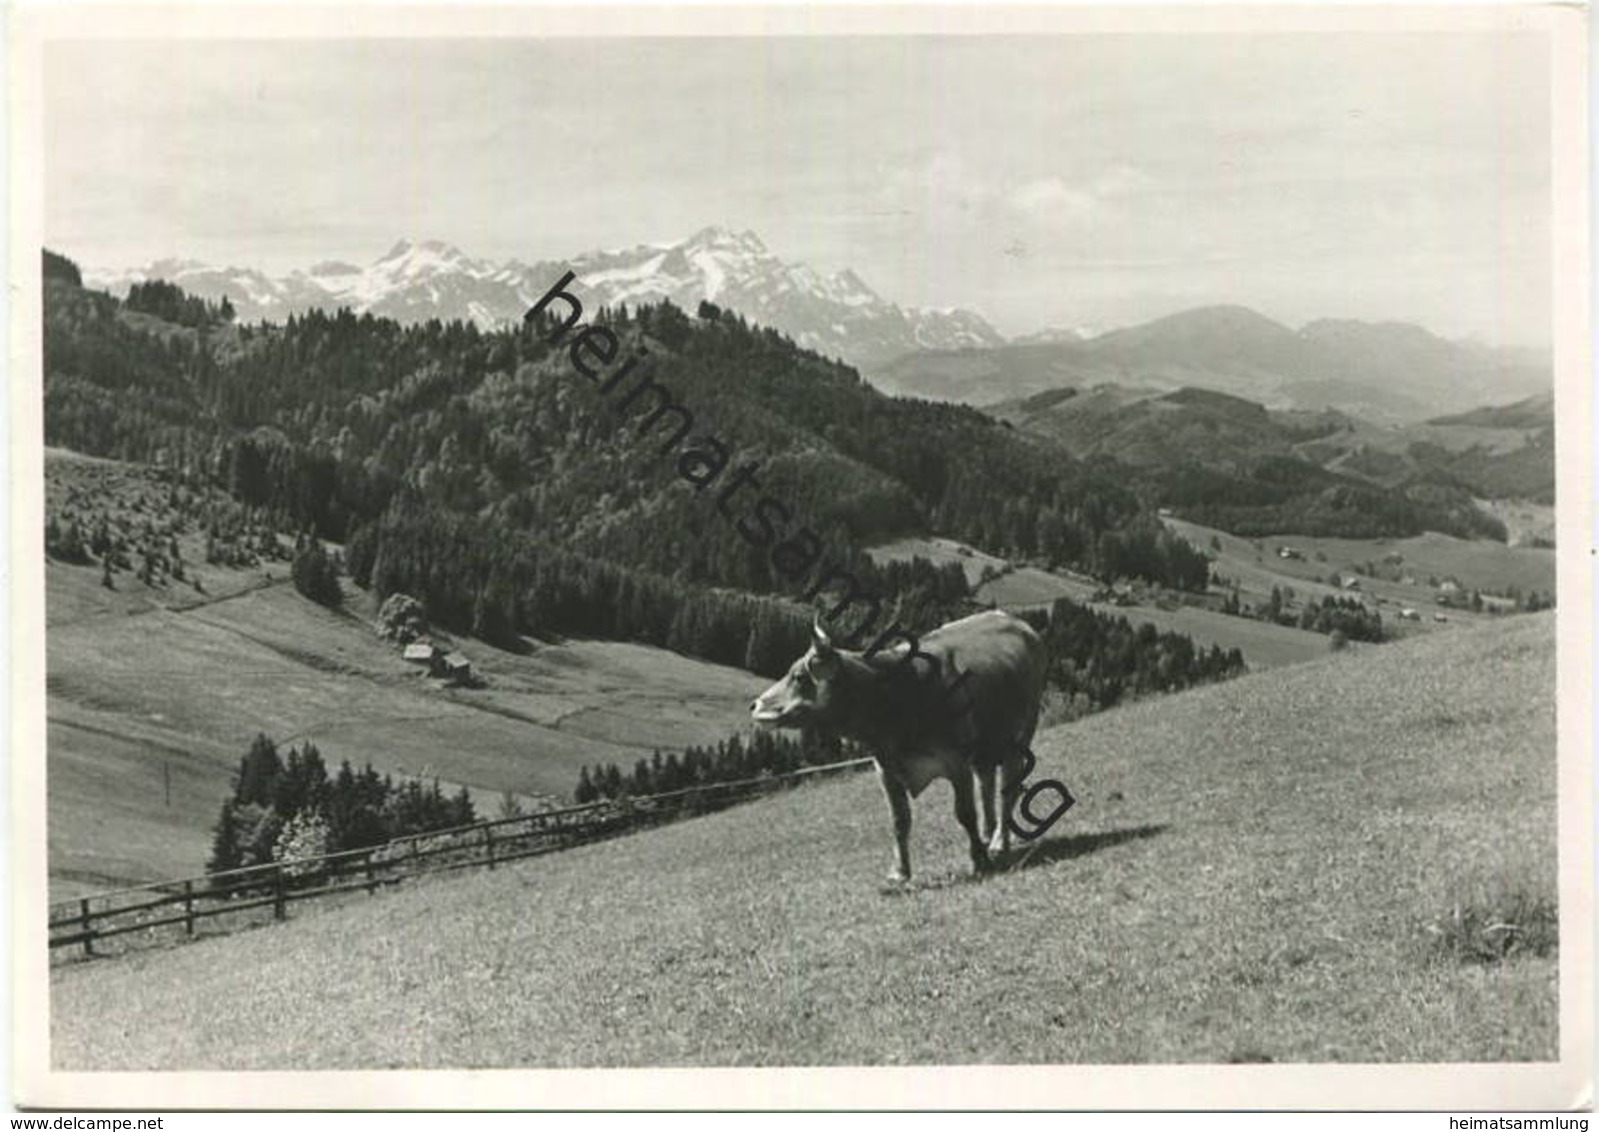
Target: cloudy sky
x,y
1067,181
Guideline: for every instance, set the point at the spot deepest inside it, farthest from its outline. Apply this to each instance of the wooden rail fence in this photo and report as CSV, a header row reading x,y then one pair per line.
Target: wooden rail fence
x,y
167,905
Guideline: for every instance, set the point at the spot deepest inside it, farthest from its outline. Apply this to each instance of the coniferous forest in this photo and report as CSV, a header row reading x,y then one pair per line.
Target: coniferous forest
x,y
283,808
331,418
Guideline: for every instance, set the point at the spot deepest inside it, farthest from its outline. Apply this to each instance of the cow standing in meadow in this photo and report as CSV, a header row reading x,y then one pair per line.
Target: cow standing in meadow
x,y
962,703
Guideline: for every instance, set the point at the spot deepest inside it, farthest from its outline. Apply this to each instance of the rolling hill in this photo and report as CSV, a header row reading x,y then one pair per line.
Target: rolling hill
x,y
1297,866
1497,452
1153,428
1385,371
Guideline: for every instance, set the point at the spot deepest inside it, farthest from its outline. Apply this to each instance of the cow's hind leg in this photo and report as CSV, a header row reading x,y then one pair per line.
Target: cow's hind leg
x,y
966,814
985,799
1012,775
899,805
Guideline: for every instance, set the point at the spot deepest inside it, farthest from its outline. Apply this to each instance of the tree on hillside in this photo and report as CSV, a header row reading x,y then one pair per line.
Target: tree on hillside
x,y
304,835
259,771
402,619
315,575
282,804
225,849
63,541
303,785
60,267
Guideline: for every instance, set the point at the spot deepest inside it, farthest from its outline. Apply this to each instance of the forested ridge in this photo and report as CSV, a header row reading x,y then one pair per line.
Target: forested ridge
x,y
1282,494
359,428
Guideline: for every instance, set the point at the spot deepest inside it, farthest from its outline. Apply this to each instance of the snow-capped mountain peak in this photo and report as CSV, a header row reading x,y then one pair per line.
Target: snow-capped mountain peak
x,y
838,314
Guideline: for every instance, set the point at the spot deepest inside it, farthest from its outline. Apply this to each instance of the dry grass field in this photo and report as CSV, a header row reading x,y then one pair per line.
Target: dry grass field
x,y
1346,860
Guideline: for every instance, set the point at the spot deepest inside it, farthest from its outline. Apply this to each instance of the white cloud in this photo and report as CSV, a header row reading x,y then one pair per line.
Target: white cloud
x,y
1053,198
1049,196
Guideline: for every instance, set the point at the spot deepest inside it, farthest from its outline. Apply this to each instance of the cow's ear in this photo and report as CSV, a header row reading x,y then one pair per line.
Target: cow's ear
x,y
820,640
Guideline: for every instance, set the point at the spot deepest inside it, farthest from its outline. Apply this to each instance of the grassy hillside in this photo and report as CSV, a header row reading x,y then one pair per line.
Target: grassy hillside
x,y
940,552
1254,565
154,693
1028,587
1293,866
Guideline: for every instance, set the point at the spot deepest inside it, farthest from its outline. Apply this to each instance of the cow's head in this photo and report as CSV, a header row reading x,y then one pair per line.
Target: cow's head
x,y
811,691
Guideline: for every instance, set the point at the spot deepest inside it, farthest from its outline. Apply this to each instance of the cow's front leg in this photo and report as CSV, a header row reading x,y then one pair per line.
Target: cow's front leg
x,y
966,814
899,805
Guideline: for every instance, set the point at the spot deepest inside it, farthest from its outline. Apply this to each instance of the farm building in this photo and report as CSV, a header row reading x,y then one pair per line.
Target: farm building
x,y
424,654
458,668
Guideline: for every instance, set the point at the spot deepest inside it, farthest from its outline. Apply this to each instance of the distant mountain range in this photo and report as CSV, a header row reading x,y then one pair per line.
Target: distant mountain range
x,y
1385,371
838,315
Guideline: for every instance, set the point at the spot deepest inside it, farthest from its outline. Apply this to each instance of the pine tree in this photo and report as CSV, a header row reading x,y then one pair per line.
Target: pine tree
x,y
225,851
258,773
315,575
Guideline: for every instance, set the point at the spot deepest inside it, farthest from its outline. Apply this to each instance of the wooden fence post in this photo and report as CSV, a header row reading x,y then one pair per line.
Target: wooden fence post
x,y
279,905
371,880
488,841
188,907
88,932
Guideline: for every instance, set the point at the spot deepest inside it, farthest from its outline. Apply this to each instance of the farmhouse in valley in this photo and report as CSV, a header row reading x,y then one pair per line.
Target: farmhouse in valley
x,y
453,666
425,654
457,667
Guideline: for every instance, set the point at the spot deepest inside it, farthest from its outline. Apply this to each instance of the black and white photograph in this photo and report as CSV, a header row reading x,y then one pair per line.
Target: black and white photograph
x,y
856,546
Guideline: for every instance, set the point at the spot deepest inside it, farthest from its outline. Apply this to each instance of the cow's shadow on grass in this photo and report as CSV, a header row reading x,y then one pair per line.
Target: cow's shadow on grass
x,y
1053,850
1047,852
